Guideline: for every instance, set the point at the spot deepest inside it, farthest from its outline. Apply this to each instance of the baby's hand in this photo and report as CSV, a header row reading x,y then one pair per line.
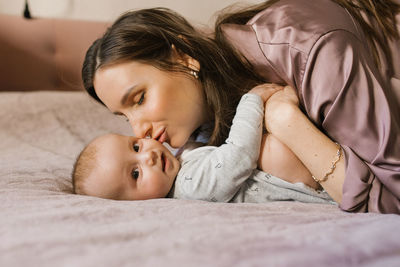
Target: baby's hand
x,y
266,90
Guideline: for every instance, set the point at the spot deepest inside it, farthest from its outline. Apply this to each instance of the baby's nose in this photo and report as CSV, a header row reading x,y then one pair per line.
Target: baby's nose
x,y
150,157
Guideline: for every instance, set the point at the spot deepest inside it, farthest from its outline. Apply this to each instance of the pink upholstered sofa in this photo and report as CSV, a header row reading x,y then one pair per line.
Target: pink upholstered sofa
x,y
44,54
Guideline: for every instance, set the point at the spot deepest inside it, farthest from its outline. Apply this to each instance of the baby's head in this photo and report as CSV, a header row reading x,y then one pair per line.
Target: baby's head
x,y
124,168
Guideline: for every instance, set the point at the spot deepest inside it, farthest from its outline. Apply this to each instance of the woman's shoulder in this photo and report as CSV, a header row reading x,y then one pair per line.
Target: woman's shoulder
x,y
278,40
300,23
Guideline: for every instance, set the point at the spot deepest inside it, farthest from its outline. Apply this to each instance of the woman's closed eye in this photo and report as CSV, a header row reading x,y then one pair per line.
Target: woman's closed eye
x,y
139,99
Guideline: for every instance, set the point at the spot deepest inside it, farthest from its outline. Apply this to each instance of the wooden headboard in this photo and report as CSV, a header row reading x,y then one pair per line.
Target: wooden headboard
x,y
44,54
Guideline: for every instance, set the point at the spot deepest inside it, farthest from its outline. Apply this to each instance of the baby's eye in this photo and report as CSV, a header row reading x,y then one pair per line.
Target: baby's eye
x,y
136,147
135,173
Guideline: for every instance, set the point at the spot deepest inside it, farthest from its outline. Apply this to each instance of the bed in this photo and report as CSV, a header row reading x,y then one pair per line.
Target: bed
x,y
46,119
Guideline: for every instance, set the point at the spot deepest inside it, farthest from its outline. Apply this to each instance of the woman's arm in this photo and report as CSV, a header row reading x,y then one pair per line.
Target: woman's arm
x,y
275,157
345,95
278,160
285,121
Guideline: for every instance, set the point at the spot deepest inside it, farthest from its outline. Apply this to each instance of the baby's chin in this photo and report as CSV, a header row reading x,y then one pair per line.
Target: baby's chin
x,y
176,166
175,173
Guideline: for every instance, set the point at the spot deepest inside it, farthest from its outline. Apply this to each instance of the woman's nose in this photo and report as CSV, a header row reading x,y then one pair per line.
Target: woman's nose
x,y
140,129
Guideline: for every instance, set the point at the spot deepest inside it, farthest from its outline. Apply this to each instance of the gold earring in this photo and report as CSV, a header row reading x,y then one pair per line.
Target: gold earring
x,y
194,73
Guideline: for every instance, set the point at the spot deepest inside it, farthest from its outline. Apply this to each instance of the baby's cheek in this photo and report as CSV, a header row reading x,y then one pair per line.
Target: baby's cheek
x,y
155,186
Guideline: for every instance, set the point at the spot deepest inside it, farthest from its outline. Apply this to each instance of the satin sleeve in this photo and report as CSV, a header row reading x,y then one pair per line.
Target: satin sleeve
x,y
345,96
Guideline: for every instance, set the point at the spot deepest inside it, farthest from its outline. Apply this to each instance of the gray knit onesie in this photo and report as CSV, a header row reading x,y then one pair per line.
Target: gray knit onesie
x,y
228,173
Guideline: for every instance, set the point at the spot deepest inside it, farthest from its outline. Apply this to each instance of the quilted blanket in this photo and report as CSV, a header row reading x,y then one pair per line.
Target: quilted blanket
x,y
43,224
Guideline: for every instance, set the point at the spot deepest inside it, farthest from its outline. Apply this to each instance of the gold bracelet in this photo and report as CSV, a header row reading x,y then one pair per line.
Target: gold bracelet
x,y
333,166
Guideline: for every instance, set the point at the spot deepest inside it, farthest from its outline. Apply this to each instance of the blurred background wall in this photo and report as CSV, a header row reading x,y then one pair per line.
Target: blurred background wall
x,y
197,11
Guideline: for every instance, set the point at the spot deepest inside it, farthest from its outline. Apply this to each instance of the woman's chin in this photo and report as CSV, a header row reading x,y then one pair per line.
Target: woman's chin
x,y
176,143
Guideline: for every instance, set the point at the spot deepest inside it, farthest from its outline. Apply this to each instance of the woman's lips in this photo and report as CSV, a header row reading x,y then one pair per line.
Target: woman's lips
x,y
163,137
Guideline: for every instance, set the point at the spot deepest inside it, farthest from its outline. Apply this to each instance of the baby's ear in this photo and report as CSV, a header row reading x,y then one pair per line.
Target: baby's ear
x,y
185,59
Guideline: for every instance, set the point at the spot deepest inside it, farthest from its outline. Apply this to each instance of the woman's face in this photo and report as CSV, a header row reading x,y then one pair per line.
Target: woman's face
x,y
166,106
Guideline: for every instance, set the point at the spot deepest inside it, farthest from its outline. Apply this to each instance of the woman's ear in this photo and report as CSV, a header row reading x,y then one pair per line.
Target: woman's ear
x,y
185,59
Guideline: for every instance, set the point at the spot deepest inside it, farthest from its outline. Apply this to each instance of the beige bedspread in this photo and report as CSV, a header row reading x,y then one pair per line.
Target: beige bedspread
x,y
43,224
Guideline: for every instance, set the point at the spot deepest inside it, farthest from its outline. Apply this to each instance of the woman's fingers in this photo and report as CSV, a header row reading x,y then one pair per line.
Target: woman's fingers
x,y
278,99
291,95
285,96
266,90
279,105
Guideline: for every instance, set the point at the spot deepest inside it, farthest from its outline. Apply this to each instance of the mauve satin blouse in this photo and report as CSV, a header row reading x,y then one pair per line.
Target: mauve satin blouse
x,y
317,48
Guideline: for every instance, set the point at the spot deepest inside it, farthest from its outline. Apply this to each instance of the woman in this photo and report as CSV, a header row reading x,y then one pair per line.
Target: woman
x,y
169,79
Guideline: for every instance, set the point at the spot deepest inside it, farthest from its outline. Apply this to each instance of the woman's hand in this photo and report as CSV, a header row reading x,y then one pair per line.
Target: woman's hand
x,y
279,107
287,95
266,90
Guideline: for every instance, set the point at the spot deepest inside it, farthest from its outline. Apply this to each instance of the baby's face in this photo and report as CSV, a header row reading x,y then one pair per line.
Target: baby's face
x,y
129,168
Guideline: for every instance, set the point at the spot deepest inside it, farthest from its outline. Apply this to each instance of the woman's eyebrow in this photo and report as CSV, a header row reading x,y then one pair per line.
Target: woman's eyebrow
x,y
127,93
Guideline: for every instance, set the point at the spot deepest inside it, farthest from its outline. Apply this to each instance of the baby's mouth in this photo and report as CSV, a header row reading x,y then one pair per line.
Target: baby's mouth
x,y
163,162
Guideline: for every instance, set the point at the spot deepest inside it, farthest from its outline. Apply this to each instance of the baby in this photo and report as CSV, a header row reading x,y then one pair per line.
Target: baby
x,y
128,168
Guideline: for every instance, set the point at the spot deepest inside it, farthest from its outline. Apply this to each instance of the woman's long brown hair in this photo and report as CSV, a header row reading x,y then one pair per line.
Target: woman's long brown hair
x,y
147,36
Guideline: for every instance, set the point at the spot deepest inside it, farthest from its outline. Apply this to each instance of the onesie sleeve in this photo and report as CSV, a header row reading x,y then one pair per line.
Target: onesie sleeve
x,y
346,97
216,173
